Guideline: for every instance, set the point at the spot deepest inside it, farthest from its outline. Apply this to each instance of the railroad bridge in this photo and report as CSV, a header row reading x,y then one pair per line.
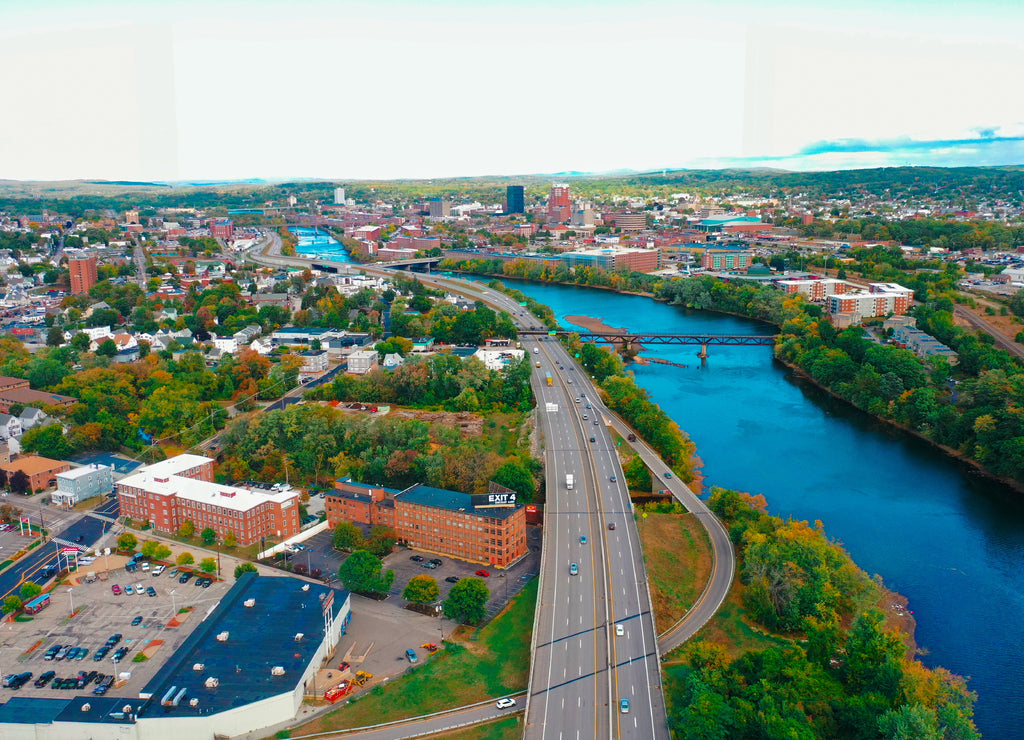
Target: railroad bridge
x,y
627,339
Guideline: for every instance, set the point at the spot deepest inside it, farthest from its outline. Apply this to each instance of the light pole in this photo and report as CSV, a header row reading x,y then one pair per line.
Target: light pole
x,y
71,599
174,605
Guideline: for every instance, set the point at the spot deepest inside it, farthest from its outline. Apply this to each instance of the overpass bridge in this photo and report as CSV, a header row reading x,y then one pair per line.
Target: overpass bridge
x,y
627,339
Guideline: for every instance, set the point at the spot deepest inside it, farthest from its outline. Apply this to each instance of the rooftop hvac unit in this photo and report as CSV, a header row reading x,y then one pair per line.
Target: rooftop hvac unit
x,y
299,636
250,603
127,709
166,701
86,707
305,587
198,667
223,636
178,697
212,683
193,703
277,671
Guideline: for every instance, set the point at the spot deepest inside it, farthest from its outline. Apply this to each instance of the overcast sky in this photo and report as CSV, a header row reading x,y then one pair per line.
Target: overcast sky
x,y
216,89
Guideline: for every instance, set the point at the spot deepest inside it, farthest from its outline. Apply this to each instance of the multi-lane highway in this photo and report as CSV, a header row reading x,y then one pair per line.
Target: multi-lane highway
x,y
594,644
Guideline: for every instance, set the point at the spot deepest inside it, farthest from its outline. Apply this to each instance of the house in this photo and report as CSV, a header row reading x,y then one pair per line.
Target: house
x,y
393,360
362,361
82,483
10,426
33,417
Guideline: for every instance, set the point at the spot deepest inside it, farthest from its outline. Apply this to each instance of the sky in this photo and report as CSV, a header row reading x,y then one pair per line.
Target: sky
x,y
175,90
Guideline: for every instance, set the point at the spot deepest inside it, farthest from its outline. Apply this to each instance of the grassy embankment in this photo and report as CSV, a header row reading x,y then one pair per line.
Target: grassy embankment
x,y
475,665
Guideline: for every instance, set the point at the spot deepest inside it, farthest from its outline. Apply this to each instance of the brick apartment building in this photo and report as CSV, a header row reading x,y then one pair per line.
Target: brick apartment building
x,y
880,299
223,228
83,272
181,489
434,520
17,391
41,471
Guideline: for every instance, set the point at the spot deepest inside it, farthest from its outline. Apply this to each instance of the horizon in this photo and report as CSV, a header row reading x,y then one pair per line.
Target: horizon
x,y
340,91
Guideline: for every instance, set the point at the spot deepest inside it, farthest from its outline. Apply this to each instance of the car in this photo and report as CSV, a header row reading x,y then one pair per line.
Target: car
x,y
577,400
573,569
435,561
137,621
44,678
199,581
100,653
668,473
611,525
613,479
452,579
158,570
416,558
100,690
116,589
585,417
145,566
128,589
207,582
82,652
631,438
150,591
506,703
16,680
175,573
592,439
411,655
624,706
298,548
62,653
595,422
53,650
483,573
431,566
140,589
620,630
583,539
588,405
119,654
184,577
114,639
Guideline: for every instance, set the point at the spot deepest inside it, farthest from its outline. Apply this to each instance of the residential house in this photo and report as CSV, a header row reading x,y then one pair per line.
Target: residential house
x,y
10,426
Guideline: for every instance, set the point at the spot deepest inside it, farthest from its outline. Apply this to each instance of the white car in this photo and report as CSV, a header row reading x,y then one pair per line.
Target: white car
x,y
619,630
505,703
158,570
145,565
140,589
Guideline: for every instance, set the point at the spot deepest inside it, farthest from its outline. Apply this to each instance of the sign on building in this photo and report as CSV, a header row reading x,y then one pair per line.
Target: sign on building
x,y
492,500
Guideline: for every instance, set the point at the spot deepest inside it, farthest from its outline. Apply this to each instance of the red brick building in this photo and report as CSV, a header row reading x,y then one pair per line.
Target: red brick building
x,y
223,228
41,471
181,489
83,273
435,520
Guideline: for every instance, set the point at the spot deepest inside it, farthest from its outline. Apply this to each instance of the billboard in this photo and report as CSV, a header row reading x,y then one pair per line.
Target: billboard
x,y
494,499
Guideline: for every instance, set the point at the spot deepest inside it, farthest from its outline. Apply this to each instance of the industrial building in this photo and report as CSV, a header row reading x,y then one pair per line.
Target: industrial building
x,y
246,667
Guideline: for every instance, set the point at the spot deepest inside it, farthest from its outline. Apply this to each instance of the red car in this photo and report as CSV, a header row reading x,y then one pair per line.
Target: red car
x,y
116,589
483,573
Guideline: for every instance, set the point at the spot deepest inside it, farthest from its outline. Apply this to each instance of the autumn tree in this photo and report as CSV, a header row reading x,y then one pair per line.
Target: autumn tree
x,y
422,589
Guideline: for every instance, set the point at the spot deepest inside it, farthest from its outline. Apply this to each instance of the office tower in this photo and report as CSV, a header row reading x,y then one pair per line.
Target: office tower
x,y
514,199
83,273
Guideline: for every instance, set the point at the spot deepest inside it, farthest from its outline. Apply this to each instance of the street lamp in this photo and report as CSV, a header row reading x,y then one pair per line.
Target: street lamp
x,y
174,605
71,599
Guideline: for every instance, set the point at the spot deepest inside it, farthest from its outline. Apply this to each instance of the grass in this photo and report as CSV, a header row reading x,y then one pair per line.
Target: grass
x,y
506,728
90,503
475,665
677,553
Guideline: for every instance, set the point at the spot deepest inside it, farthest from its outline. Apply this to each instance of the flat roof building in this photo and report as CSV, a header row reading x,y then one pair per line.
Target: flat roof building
x,y
81,483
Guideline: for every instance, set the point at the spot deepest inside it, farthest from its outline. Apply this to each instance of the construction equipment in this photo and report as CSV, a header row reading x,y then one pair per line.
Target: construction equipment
x,y
430,647
361,678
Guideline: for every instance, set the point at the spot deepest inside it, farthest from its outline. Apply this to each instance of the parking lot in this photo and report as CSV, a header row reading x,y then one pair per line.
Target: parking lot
x,y
504,584
146,623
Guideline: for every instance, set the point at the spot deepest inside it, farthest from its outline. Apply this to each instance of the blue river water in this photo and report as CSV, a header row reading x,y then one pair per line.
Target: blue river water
x,y
948,539
317,243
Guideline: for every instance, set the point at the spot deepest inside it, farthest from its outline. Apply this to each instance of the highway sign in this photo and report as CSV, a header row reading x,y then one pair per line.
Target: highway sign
x,y
493,500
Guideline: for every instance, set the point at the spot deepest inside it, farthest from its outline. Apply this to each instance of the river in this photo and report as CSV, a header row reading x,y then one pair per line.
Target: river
x,y
949,540
319,244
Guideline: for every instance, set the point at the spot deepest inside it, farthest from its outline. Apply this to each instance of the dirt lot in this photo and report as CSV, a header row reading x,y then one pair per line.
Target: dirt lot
x,y
99,614
464,421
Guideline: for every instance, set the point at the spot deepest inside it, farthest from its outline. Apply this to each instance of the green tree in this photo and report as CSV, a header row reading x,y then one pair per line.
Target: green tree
x,y
81,342
54,336
347,536
148,549
187,528
107,348
48,440
208,565
361,572
467,601
244,568
382,541
127,542
185,558
19,482
209,536
161,552
29,590
230,540
11,604
513,475
422,589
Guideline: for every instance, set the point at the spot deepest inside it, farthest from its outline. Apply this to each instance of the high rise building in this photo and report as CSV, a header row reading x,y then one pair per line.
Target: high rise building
x,y
515,201
131,217
83,273
559,205
339,196
439,208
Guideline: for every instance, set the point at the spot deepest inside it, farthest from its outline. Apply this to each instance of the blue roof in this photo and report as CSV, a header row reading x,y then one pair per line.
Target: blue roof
x,y
42,711
259,638
102,709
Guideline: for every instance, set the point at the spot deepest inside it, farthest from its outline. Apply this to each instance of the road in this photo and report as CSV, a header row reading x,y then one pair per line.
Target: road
x,y
981,324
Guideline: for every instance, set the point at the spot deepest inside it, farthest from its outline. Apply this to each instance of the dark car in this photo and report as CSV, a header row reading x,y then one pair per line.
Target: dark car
x,y
119,654
416,558
592,439
54,649
631,438
435,561
611,525
114,639
44,679
452,579
101,653
184,577
151,591
207,582
137,621
17,680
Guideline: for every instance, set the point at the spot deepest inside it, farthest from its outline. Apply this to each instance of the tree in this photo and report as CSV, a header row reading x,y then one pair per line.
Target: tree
x,y
81,341
421,590
185,558
187,528
54,337
19,481
148,549
347,536
208,565
161,552
48,440
29,590
244,568
515,476
8,513
382,541
467,601
230,540
11,604
209,536
361,572
127,542
107,348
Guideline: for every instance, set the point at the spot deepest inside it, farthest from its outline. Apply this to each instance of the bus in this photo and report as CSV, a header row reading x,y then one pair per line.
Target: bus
x,y
548,378
37,604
